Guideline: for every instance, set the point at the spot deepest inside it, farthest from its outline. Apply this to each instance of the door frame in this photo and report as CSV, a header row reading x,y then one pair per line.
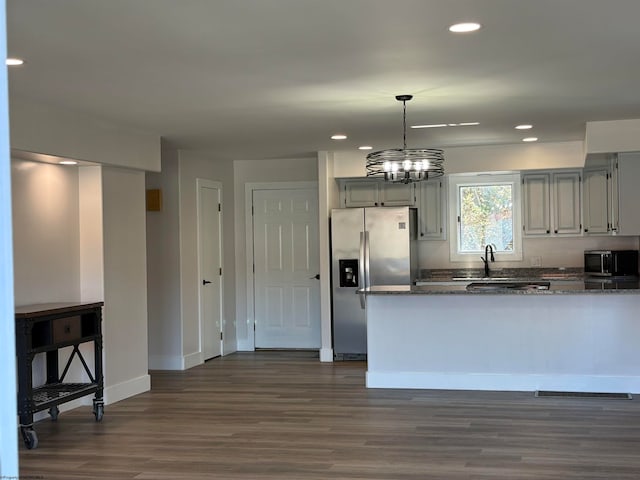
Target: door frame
x,y
248,215
201,182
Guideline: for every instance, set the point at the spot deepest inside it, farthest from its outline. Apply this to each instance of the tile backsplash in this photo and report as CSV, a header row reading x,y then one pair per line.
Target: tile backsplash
x,y
537,252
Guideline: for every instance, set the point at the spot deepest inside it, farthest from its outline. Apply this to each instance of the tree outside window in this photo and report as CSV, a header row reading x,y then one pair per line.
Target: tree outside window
x,y
486,218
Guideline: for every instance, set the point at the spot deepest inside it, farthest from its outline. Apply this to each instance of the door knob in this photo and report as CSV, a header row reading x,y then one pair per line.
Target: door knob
x,y
204,282
316,276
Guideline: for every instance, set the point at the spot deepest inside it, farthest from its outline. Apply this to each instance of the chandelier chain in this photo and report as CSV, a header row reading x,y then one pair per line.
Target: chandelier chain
x,y
404,123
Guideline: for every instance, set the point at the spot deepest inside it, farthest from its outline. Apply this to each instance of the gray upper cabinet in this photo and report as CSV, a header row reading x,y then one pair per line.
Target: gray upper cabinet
x,y
565,188
625,180
551,203
376,193
359,193
597,201
432,212
536,211
398,195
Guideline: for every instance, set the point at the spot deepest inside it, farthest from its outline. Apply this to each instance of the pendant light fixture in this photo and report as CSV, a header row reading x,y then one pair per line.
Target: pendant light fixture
x,y
405,165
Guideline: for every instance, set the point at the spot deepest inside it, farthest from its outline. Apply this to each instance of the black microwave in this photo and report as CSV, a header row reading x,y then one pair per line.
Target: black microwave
x,y
611,263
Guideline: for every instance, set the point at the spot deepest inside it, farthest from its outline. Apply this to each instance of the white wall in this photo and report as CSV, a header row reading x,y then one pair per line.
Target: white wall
x,y
40,128
163,268
46,233
253,171
612,136
91,241
8,407
125,284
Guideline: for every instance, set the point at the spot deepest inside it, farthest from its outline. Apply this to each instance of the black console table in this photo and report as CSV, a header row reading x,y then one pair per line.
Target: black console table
x,y
46,328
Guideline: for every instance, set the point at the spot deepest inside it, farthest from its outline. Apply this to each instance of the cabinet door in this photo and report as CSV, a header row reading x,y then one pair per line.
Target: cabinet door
x,y
614,195
596,200
566,203
628,193
431,216
360,193
536,209
398,194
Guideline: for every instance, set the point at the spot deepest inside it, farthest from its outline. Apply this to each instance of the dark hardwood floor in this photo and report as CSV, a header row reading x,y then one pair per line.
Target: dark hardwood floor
x,y
285,415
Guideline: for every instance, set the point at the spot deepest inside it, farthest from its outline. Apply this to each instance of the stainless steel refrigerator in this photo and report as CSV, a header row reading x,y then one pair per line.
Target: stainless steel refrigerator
x,y
370,246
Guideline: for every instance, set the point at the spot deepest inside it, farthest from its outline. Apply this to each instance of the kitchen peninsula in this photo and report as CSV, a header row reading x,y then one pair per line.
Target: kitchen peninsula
x,y
574,336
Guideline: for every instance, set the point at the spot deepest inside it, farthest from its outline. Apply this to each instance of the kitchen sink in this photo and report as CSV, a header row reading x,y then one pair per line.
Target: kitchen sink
x,y
502,286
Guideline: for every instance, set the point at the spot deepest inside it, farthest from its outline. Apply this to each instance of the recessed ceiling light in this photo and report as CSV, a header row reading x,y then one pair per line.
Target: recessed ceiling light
x,y
13,61
530,139
338,137
365,147
523,127
465,27
68,162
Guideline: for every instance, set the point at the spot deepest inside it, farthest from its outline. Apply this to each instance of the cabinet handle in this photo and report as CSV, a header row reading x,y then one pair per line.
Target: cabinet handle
x,y
586,230
375,204
555,231
548,231
382,204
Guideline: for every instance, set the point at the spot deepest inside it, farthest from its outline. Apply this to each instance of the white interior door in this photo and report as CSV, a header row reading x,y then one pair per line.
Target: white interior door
x,y
210,268
286,258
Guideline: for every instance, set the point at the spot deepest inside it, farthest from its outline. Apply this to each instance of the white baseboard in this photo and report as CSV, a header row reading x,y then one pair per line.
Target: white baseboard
x,y
192,360
246,346
504,382
175,362
326,354
129,388
165,362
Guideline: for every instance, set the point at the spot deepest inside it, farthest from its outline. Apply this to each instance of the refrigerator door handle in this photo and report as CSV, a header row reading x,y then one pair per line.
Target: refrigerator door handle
x,y
367,250
361,268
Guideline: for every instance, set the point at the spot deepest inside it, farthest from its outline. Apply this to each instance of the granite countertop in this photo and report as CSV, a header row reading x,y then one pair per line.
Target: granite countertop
x,y
561,281
576,287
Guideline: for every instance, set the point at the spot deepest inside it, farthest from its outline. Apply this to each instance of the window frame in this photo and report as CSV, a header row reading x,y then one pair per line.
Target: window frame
x,y
484,179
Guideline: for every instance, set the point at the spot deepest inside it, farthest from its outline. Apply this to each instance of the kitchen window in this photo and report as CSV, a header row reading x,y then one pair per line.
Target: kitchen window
x,y
487,212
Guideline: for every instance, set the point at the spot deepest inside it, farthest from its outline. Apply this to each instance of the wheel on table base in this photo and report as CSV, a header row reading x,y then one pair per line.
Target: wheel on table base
x,y
54,412
98,410
29,437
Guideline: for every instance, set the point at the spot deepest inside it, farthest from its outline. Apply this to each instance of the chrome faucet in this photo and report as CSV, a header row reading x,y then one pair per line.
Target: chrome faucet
x,y
488,250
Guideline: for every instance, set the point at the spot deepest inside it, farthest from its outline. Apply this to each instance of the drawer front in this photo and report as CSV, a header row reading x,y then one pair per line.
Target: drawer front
x,y
66,329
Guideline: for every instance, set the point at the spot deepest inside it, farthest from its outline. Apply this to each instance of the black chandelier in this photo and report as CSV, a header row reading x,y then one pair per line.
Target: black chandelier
x,y
405,165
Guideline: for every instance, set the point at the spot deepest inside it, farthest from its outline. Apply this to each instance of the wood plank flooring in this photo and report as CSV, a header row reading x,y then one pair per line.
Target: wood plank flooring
x,y
285,415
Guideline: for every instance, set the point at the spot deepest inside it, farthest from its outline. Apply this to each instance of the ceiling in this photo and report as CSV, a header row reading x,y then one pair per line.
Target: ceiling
x,y
248,79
